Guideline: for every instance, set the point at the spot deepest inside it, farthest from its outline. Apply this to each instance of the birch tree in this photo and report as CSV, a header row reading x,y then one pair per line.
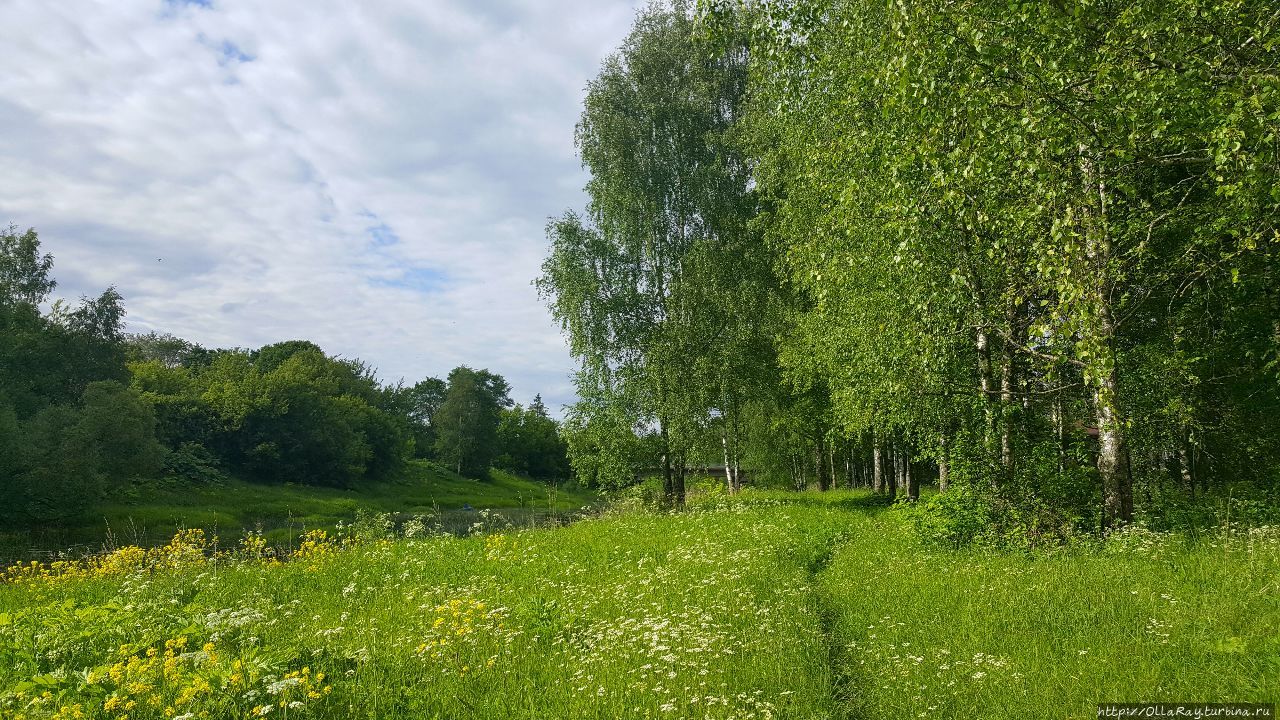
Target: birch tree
x,y
627,281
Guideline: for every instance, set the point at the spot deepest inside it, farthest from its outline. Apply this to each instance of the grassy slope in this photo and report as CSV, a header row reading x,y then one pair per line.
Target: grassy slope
x,y
801,608
151,515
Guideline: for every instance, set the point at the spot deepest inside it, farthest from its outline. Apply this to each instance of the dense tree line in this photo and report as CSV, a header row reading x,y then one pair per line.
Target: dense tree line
x,y
86,409
1027,251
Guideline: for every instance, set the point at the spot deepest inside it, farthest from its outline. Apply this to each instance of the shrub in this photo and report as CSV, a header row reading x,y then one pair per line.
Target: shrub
x,y
192,462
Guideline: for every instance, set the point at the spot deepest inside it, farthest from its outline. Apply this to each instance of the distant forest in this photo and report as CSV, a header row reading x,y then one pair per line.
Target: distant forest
x,y
1027,251
86,409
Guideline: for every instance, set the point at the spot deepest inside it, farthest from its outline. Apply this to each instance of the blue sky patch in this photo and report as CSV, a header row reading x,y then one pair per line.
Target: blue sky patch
x,y
380,234
417,279
229,52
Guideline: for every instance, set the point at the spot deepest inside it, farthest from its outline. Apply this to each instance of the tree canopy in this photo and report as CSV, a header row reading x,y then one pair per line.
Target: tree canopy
x,y
1028,249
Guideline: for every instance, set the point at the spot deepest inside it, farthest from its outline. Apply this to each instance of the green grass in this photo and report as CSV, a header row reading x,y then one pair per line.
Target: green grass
x,y
1145,617
771,606
150,514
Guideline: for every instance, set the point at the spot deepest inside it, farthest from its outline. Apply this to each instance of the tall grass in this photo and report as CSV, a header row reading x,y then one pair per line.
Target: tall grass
x,y
1144,617
778,606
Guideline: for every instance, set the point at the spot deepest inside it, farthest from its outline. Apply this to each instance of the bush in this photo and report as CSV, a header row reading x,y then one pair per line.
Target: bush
x,y
193,463
1038,505
952,519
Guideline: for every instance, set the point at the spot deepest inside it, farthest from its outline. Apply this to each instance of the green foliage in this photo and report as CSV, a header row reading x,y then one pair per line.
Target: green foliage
x,y
10,441
1043,503
284,413
417,404
270,357
605,445
1046,226
466,423
120,427
653,286
52,359
167,350
959,517
69,429
530,443
67,456
193,463
24,273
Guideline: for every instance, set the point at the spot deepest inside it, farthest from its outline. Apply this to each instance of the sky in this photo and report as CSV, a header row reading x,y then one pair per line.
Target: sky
x,y
374,176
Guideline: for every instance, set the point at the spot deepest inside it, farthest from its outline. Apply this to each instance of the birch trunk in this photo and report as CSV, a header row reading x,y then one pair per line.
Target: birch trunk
x,y
1060,431
678,489
877,467
898,469
1117,486
1006,410
912,480
944,462
831,465
734,457
984,388
668,482
820,464
1185,470
728,467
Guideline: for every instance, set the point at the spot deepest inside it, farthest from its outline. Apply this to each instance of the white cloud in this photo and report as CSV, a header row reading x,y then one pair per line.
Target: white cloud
x,y
371,176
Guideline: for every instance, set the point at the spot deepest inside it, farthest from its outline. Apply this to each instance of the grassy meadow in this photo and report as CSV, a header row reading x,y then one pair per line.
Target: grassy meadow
x,y
761,606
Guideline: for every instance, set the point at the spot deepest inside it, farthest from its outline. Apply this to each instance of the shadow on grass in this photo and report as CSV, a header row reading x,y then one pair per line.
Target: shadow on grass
x,y
850,500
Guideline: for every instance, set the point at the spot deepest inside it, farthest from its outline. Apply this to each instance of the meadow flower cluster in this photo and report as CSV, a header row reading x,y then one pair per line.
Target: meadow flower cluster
x,y
186,548
314,545
499,546
679,632
292,692
921,678
1248,538
1138,539
465,636
177,680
